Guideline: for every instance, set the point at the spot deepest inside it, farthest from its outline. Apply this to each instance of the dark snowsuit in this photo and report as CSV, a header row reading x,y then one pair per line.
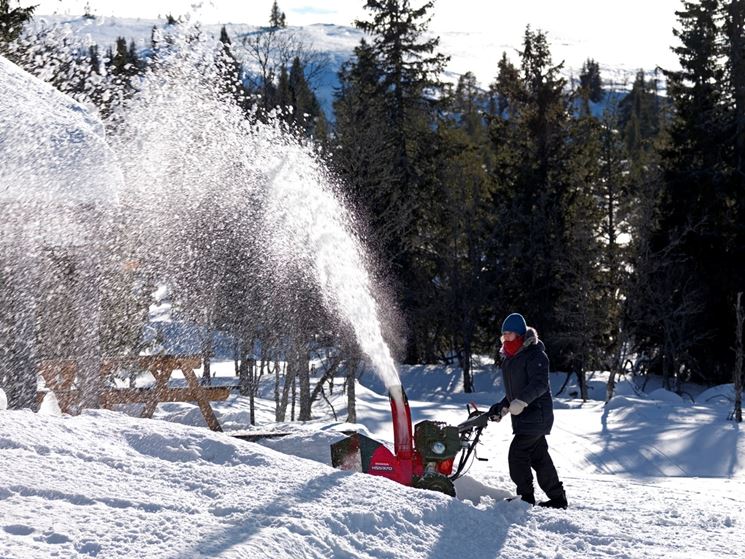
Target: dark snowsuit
x,y
526,378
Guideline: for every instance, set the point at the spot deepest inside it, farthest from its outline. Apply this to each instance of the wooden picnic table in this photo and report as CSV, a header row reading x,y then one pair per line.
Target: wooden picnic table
x,y
60,376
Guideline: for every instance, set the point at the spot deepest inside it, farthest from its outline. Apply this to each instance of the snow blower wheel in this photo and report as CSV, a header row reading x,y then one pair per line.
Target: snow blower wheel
x,y
435,482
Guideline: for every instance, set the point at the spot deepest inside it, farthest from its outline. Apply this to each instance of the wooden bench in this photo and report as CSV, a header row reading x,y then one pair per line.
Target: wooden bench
x,y
60,376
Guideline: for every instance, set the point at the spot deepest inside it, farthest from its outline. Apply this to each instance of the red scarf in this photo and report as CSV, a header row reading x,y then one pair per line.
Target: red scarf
x,y
511,348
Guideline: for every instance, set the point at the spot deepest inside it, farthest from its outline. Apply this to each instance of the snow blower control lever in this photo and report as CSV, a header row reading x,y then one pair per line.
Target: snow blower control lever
x,y
425,460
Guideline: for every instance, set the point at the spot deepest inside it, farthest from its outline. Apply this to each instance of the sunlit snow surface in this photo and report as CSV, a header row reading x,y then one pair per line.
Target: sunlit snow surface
x,y
645,479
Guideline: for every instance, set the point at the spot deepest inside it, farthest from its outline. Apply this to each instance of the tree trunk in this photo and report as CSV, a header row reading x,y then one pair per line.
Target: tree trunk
x,y
466,361
255,377
244,378
276,390
351,394
582,377
247,382
304,382
289,383
564,385
328,376
611,386
615,368
666,360
738,360
466,355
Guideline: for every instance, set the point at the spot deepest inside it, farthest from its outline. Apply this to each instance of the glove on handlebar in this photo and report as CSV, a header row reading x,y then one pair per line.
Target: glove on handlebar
x,y
498,411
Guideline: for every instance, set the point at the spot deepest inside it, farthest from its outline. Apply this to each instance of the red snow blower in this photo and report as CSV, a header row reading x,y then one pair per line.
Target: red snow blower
x,y
426,461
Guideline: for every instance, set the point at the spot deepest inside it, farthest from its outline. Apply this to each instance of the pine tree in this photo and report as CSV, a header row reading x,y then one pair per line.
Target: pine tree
x,y
504,88
119,59
590,83
283,97
363,155
639,116
695,220
530,143
95,60
133,60
734,32
11,23
614,193
546,172
585,307
410,68
469,104
229,68
277,18
12,20
305,107
462,223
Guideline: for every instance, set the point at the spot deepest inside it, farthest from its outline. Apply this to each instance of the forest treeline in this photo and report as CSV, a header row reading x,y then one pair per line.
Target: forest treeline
x,y
612,218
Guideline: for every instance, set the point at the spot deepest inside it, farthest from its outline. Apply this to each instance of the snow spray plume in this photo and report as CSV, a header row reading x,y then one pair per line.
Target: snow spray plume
x,y
58,183
188,152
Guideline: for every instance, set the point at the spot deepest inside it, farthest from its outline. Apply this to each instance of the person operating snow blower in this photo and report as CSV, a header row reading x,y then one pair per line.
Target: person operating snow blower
x,y
528,401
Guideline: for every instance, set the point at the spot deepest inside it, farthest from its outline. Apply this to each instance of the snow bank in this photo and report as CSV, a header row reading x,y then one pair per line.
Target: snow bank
x,y
638,472
722,393
107,485
664,395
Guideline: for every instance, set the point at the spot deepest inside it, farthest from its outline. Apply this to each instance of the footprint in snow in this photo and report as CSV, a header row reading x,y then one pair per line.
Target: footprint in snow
x,y
18,529
56,538
91,549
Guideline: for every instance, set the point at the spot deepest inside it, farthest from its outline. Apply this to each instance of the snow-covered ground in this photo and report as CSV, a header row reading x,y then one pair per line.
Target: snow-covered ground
x,y
645,476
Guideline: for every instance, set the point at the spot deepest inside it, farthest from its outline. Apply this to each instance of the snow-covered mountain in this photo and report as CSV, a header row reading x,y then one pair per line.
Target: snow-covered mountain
x,y
477,52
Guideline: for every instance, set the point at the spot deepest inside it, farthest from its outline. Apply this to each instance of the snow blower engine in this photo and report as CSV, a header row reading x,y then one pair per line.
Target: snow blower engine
x,y
428,463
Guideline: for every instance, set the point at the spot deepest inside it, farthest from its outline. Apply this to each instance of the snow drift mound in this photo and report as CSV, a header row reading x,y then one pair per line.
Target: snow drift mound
x,y
114,486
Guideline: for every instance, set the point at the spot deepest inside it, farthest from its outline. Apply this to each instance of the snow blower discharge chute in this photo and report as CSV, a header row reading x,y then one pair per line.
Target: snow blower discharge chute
x,y
425,460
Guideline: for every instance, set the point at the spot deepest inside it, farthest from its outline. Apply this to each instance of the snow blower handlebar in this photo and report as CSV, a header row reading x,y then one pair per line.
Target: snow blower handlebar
x,y
470,433
476,420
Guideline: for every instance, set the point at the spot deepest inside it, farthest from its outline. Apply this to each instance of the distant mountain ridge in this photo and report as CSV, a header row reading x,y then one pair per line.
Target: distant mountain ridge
x,y
335,42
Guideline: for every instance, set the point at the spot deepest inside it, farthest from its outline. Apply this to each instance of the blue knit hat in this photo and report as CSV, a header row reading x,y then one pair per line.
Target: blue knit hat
x,y
514,323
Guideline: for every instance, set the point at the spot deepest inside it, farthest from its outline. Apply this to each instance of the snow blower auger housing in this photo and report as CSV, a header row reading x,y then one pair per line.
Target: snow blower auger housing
x,y
426,460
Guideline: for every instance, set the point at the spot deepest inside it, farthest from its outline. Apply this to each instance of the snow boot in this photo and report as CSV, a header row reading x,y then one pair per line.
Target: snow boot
x,y
528,498
558,502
